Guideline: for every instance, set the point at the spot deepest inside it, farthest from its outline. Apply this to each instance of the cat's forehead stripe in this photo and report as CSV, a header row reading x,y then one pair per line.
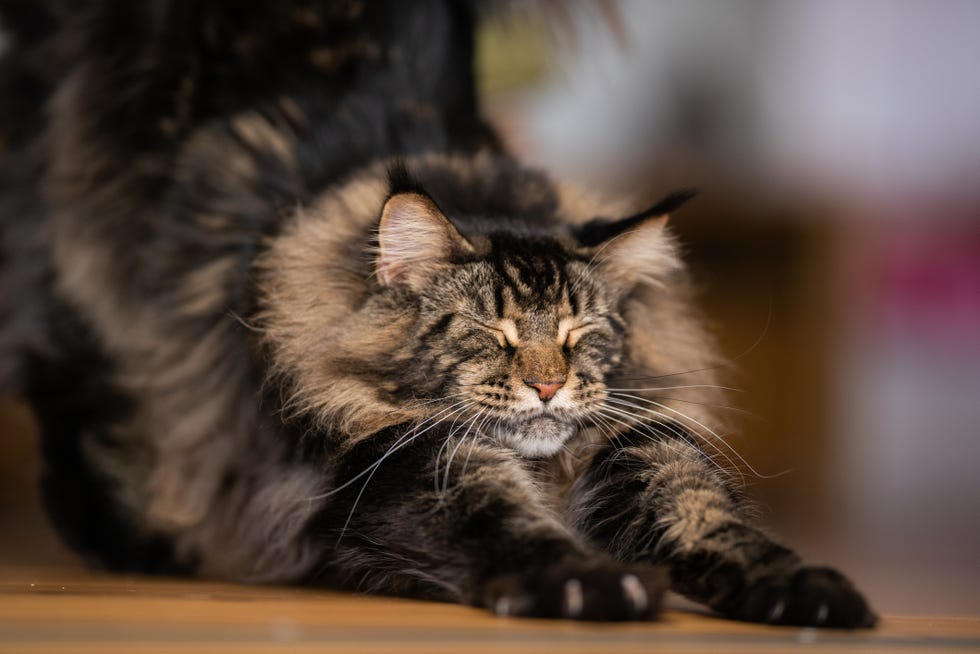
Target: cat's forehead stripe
x,y
571,292
533,279
498,300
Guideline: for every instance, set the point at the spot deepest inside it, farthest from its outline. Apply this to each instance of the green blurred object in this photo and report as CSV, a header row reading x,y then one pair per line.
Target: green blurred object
x,y
511,56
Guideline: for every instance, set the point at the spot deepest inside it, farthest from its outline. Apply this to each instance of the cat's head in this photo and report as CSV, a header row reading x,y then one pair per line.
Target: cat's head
x,y
521,328
481,310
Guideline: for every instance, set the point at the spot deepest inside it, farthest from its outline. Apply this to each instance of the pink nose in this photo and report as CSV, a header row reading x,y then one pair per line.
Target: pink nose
x,y
546,389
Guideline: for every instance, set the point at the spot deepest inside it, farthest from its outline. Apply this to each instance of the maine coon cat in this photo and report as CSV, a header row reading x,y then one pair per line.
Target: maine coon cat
x,y
288,312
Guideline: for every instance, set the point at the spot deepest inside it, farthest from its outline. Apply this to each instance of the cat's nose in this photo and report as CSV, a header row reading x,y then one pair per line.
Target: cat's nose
x,y
546,389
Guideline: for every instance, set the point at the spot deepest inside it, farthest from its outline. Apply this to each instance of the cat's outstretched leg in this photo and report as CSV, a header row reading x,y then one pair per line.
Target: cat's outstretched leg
x,y
461,520
655,497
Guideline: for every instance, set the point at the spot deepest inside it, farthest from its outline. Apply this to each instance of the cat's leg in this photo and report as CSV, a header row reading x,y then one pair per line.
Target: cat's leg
x,y
655,497
461,520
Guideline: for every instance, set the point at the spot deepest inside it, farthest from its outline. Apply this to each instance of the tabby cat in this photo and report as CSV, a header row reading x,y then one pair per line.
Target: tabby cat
x,y
288,312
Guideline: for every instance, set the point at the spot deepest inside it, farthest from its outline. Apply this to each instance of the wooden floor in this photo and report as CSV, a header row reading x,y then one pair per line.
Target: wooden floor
x,y
53,609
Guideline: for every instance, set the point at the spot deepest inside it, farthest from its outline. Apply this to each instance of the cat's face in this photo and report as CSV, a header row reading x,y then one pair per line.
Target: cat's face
x,y
517,336
523,346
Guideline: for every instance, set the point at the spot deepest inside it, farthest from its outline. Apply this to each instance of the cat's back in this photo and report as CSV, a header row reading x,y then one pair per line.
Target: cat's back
x,y
151,148
156,148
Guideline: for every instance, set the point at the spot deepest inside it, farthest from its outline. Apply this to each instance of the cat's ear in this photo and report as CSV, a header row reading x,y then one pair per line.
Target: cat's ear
x,y
415,241
635,250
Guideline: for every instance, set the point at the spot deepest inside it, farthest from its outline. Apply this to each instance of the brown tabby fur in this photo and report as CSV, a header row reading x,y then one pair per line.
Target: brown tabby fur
x,y
288,312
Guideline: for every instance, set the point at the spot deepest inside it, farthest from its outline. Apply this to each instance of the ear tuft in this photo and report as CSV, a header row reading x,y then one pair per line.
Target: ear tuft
x,y
400,180
415,241
600,230
636,250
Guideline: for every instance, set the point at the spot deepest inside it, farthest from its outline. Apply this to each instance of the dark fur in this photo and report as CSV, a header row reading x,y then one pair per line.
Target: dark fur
x,y
287,312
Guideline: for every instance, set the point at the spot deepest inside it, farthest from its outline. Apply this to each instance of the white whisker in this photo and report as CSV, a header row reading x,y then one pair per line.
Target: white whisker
x,y
670,425
391,450
411,433
473,441
672,388
720,439
452,455
645,428
438,458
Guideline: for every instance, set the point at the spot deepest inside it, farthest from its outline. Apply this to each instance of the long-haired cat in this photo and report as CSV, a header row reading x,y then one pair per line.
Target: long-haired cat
x,y
288,312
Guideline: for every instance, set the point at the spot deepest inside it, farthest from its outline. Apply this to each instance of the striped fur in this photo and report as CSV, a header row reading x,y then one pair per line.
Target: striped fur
x,y
287,312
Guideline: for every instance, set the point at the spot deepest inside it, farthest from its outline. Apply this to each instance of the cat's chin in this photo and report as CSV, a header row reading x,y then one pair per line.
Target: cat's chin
x,y
540,436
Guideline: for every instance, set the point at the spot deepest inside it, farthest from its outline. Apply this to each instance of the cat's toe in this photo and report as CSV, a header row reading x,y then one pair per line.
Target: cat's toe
x,y
812,597
594,593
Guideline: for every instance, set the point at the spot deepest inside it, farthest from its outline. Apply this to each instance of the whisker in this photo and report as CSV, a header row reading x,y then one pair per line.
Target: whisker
x,y
473,441
713,433
613,414
438,457
666,375
672,388
234,315
610,413
376,465
683,435
667,422
606,429
411,433
725,407
724,364
452,455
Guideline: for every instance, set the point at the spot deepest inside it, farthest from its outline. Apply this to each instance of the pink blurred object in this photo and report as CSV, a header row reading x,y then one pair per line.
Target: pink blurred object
x,y
927,282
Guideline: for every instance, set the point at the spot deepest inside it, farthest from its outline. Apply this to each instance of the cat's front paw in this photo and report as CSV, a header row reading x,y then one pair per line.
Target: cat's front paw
x,y
594,592
808,596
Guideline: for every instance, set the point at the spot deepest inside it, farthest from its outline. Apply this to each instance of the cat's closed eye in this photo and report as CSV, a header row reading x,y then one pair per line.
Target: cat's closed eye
x,y
506,333
570,332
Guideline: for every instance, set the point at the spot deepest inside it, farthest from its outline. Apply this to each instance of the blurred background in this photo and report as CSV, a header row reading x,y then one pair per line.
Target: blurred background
x,y
836,241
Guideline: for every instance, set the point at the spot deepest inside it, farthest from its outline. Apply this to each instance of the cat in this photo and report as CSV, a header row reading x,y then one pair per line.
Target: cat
x,y
287,311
